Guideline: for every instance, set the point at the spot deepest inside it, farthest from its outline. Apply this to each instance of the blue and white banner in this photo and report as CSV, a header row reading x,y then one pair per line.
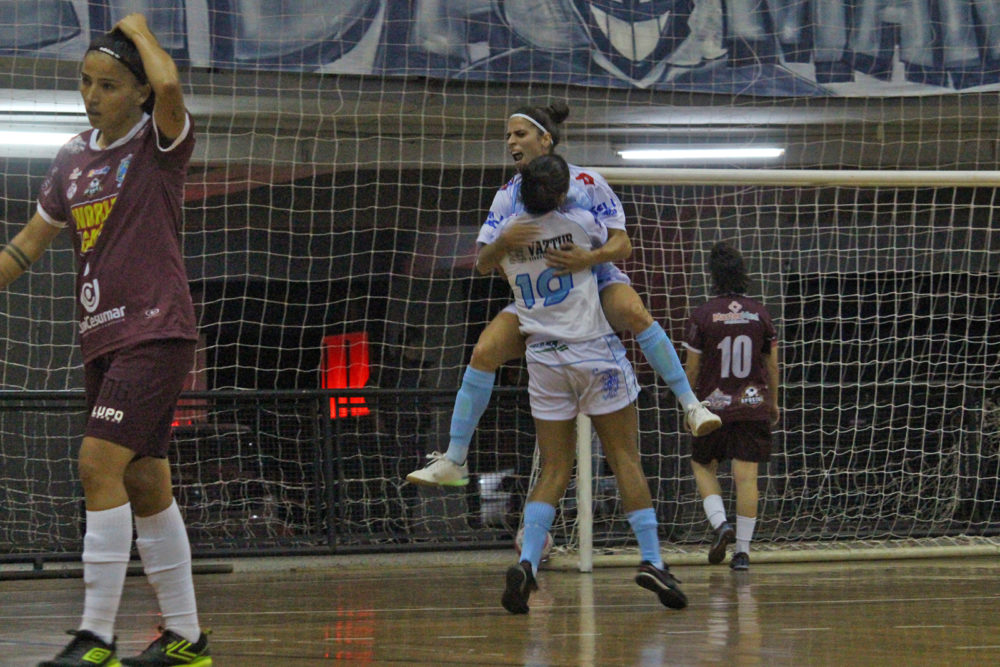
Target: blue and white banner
x,y
751,47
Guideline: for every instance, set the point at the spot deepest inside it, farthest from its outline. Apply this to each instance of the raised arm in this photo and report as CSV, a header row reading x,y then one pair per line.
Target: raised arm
x,y
169,112
25,248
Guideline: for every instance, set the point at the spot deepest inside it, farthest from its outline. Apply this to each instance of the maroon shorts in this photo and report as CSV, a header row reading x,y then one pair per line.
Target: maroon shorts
x,y
132,394
746,441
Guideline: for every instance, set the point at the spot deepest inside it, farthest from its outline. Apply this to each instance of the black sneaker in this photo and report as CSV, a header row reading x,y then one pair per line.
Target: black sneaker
x,y
724,536
520,583
740,562
172,650
86,650
662,583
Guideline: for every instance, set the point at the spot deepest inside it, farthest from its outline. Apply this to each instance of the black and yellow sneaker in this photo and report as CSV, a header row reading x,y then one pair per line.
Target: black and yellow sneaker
x,y
86,650
172,650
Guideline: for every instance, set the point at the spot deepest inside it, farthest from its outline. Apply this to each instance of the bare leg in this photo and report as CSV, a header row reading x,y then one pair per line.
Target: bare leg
x,y
625,310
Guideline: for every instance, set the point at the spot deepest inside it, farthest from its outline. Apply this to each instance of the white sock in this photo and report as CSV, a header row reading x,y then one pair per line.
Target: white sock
x,y
106,546
715,510
744,533
166,557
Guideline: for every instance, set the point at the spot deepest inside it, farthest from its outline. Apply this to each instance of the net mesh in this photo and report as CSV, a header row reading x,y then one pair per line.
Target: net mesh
x,y
344,164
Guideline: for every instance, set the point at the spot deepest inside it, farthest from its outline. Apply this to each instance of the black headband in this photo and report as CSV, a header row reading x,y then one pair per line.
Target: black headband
x,y
121,49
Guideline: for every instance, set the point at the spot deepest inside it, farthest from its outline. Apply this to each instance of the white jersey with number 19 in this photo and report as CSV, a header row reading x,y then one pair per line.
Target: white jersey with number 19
x,y
558,308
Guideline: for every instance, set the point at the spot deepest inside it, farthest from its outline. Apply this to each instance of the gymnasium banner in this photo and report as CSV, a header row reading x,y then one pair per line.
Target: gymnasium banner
x,y
750,47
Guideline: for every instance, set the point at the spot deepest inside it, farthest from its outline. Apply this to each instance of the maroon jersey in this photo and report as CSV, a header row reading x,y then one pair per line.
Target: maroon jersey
x,y
123,203
732,333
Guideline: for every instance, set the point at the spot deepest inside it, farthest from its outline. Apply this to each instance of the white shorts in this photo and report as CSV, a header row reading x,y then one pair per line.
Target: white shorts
x,y
605,274
593,377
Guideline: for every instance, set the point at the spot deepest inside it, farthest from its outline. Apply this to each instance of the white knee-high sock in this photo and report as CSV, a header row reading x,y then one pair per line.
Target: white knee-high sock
x,y
166,557
715,510
744,532
106,547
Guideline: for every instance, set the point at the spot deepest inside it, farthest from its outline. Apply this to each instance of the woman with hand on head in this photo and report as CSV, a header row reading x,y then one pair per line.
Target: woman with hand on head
x,y
533,131
119,188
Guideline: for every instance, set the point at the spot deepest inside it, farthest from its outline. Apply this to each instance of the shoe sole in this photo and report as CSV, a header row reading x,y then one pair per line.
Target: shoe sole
x,y
669,597
717,553
200,662
707,427
515,596
426,482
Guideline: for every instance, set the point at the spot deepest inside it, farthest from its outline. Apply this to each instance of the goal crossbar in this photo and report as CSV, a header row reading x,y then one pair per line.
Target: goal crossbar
x,y
799,177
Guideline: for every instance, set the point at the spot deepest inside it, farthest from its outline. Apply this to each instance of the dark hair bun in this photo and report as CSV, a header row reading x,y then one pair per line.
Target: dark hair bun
x,y
558,111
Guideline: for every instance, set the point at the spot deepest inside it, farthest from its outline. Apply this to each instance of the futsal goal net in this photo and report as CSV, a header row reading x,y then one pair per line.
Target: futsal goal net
x,y
347,154
884,287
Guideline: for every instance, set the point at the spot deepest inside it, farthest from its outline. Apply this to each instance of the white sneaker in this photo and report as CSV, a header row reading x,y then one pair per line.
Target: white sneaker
x,y
441,472
700,420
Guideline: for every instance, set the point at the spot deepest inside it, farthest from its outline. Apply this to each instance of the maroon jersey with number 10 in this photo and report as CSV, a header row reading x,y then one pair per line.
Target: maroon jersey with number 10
x,y
123,203
732,333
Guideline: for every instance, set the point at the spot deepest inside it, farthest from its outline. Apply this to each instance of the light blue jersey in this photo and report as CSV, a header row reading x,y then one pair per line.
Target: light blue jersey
x,y
588,191
566,308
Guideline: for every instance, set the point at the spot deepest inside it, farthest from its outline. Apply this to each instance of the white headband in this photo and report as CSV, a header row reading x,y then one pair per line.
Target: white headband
x,y
530,120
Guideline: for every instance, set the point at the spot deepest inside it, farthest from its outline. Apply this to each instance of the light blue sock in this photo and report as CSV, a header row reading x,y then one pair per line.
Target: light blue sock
x,y
538,517
645,527
470,404
662,356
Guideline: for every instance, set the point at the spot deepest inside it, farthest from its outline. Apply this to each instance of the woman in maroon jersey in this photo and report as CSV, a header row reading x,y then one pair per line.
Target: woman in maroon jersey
x,y
732,364
119,188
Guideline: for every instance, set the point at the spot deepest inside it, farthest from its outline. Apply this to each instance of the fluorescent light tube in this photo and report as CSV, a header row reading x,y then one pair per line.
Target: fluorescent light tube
x,y
11,138
734,153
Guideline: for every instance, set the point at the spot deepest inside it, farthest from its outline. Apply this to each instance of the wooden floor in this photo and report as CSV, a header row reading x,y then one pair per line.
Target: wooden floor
x,y
906,612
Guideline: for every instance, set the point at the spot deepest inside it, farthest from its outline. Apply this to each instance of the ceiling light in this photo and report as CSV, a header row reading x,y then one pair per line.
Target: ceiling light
x,y
15,138
692,153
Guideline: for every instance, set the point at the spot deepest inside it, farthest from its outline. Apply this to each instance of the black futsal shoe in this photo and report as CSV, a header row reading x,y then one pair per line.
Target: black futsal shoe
x,y
740,562
724,536
520,583
662,583
86,650
172,650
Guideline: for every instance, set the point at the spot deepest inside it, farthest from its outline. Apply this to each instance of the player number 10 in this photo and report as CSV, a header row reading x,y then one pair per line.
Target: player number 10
x,y
736,356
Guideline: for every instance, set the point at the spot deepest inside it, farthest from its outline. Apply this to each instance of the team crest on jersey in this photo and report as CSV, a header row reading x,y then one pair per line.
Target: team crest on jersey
x,y
123,169
718,400
752,396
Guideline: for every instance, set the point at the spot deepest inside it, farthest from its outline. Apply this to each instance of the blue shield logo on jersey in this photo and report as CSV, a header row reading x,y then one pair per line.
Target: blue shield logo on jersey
x,y
634,37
